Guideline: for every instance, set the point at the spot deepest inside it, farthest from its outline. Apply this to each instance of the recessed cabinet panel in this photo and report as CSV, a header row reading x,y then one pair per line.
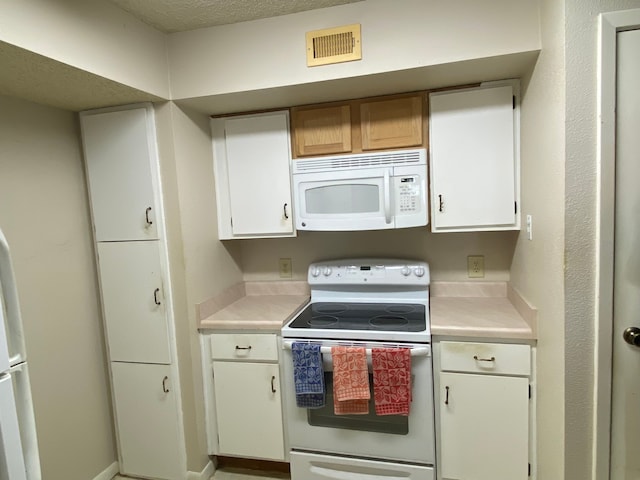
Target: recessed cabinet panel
x,y
474,159
147,421
319,131
484,427
119,155
249,409
134,306
391,123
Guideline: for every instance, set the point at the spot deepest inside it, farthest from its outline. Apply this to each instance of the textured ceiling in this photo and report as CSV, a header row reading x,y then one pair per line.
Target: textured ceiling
x,y
181,15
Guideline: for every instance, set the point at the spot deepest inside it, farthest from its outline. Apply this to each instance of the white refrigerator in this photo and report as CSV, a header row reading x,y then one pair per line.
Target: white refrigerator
x,y
19,459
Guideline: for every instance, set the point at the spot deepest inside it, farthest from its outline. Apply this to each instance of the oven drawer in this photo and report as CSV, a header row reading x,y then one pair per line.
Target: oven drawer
x,y
244,346
311,466
494,358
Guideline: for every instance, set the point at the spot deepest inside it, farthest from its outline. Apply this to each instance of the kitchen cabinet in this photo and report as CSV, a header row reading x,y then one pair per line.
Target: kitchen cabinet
x,y
474,158
361,125
132,295
146,420
120,175
484,409
392,123
246,389
252,159
123,172
321,130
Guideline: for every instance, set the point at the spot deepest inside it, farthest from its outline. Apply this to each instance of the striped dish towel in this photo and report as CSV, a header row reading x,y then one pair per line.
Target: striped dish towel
x,y
351,392
391,380
308,375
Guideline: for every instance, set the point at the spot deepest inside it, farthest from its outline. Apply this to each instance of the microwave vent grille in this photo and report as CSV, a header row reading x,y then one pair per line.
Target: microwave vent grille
x,y
373,160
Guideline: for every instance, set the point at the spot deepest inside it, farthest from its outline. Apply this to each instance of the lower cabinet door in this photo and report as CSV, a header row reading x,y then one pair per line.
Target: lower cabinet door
x,y
484,422
249,409
147,421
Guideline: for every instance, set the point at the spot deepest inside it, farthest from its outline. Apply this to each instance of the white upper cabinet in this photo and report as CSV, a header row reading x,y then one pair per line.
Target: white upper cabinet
x,y
119,153
252,157
474,158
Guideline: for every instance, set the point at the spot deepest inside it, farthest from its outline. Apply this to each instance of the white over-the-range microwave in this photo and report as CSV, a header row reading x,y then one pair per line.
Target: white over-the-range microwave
x,y
368,191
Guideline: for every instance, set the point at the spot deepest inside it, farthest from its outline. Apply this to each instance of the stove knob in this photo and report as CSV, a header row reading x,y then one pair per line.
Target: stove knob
x,y
419,271
406,271
315,271
327,271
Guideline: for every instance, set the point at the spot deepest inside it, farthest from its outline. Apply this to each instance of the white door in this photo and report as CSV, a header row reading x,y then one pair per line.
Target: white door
x,y
484,427
147,421
134,306
12,466
473,159
119,153
258,157
249,409
625,427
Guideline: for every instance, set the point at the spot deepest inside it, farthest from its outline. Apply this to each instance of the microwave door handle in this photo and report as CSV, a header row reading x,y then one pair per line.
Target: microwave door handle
x,y
387,196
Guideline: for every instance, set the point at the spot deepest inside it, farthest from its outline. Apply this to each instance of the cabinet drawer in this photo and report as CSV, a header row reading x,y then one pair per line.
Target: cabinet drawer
x,y
494,358
244,346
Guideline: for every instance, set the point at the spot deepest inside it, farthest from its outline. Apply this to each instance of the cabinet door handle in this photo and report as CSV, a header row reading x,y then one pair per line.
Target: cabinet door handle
x,y
478,359
273,388
243,348
440,204
446,399
146,216
286,215
155,296
164,384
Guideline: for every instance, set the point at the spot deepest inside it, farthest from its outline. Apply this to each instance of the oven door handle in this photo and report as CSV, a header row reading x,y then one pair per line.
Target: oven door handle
x,y
350,474
416,350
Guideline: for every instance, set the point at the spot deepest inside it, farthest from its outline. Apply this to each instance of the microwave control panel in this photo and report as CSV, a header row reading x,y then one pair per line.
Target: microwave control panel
x,y
409,194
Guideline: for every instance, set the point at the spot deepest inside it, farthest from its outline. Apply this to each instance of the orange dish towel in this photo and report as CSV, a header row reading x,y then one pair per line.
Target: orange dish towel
x,y
391,380
351,391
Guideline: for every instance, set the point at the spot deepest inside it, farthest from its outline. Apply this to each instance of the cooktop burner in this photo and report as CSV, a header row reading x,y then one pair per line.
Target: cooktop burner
x,y
362,316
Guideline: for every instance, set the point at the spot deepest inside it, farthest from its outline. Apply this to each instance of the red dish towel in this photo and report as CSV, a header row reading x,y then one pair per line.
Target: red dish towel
x,y
391,380
351,392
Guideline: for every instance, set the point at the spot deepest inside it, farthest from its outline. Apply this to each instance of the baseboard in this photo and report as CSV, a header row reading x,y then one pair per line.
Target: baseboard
x,y
109,472
205,474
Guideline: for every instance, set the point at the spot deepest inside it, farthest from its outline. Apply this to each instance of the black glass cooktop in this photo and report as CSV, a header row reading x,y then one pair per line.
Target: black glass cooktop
x,y
387,317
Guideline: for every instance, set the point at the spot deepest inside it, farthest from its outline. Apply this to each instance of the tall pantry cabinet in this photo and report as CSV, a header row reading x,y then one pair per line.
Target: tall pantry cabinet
x,y
123,176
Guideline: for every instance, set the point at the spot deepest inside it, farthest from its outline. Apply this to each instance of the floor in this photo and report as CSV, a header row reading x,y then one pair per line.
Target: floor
x,y
236,474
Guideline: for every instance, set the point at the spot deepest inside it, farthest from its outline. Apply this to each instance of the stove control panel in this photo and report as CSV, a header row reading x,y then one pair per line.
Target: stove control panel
x,y
369,271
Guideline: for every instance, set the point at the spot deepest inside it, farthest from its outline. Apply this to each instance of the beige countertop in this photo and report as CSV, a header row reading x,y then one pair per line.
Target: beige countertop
x,y
253,306
480,310
459,309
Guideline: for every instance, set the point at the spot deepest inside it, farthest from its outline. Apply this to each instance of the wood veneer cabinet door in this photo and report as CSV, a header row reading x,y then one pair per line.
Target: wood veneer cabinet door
x,y
319,131
391,123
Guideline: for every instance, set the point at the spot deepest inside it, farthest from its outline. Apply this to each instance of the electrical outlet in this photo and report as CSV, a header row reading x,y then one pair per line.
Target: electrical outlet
x,y
529,227
475,266
285,268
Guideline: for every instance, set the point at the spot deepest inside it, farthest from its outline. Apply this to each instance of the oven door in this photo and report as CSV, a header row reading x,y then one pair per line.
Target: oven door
x,y
390,437
357,199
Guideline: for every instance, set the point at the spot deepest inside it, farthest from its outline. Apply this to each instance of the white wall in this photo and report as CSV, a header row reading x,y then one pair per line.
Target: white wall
x,y
446,252
91,35
537,269
45,217
581,233
396,35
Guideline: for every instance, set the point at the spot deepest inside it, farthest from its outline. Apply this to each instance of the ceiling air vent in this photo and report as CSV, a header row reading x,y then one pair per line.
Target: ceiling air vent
x,y
334,45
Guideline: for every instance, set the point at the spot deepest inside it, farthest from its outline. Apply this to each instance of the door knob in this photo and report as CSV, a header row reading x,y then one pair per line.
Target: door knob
x,y
631,335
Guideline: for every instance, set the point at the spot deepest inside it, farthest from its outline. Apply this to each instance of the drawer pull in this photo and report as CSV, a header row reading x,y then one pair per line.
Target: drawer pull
x,y
478,359
243,348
